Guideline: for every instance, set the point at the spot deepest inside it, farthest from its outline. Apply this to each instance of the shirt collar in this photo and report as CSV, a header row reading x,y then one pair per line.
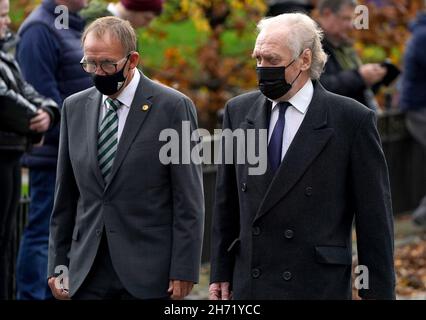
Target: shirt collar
x,y
301,99
128,93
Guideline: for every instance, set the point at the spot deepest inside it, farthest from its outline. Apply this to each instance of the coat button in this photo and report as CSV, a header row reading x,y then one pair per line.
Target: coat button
x,y
255,273
287,275
289,234
98,232
308,191
243,187
256,231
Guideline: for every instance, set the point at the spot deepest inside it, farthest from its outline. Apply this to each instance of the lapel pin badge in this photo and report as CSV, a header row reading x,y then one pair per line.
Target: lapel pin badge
x,y
145,107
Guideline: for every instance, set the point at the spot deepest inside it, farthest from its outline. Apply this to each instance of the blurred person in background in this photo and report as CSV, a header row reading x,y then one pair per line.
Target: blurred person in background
x,y
49,54
276,7
139,13
413,93
24,116
344,72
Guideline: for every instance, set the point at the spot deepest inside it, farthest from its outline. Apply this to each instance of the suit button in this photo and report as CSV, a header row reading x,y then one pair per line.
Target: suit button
x,y
256,231
255,273
289,234
287,275
98,232
243,187
308,191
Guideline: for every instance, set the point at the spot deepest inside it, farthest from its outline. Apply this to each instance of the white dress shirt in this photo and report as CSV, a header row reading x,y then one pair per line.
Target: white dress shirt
x,y
293,116
126,98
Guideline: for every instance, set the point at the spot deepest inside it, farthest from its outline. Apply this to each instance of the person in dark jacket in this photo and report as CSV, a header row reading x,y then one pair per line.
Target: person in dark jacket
x,y
49,53
284,232
413,93
344,72
24,116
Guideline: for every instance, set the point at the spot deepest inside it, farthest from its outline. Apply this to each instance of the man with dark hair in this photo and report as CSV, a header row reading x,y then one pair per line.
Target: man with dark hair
x,y
344,73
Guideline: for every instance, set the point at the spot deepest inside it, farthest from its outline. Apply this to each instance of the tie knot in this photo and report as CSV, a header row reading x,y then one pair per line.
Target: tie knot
x,y
284,105
114,104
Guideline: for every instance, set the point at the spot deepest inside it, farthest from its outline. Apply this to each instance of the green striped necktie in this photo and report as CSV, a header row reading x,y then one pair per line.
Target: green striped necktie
x,y
108,137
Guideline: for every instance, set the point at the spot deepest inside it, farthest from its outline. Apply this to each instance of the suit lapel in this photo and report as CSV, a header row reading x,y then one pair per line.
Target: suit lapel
x,y
93,106
309,141
258,119
134,121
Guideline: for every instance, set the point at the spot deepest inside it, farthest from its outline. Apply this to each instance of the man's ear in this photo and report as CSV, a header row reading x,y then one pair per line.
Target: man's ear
x,y
134,60
306,57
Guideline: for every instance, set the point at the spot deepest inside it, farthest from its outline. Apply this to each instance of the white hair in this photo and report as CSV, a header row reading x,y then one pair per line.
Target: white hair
x,y
300,33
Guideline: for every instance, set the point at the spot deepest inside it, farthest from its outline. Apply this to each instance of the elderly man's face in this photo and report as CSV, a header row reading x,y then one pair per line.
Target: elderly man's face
x,y
270,51
4,17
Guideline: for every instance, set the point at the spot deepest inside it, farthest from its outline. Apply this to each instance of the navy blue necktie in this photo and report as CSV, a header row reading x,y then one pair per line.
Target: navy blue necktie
x,y
275,145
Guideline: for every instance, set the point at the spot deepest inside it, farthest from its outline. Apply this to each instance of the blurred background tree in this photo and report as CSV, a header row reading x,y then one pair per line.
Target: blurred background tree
x,y
203,47
386,37
210,59
19,9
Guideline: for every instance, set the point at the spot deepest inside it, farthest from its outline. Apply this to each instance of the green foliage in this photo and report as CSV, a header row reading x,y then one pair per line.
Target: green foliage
x,y
154,42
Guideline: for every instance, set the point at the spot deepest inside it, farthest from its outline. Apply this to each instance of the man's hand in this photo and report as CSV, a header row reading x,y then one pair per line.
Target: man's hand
x,y
41,122
372,73
179,289
219,291
59,290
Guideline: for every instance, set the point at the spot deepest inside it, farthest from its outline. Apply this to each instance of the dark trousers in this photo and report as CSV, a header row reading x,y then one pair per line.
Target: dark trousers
x,y
10,191
31,269
102,282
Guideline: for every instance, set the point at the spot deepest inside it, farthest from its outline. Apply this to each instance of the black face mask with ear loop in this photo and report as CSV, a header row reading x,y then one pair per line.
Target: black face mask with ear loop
x,y
272,82
110,84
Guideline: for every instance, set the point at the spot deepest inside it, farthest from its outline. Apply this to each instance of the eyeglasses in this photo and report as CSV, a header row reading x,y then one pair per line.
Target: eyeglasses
x,y
106,66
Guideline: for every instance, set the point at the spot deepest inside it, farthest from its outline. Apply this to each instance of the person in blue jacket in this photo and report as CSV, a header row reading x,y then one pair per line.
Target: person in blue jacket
x,y
49,53
413,93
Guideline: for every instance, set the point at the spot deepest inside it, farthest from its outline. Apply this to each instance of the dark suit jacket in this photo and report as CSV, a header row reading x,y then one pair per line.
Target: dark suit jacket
x,y
288,236
152,214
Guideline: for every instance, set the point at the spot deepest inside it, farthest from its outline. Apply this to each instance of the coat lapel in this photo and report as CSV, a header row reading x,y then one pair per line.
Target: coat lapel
x,y
309,141
258,119
93,104
134,121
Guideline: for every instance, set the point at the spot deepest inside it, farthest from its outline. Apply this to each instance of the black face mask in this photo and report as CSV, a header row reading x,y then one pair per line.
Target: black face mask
x,y
272,82
110,84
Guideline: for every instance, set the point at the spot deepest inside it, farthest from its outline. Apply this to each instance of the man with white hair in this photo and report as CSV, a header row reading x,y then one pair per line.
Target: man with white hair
x,y
286,234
